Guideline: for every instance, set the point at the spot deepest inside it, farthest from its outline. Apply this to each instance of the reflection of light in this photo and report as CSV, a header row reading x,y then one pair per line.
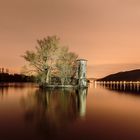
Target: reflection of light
x,y
137,85
95,84
90,85
120,85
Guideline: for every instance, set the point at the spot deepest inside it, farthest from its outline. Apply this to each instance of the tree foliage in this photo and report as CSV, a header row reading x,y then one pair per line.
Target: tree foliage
x,y
51,59
66,66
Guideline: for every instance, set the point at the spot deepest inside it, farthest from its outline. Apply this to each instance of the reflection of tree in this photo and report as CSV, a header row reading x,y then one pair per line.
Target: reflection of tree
x,y
52,110
3,91
5,88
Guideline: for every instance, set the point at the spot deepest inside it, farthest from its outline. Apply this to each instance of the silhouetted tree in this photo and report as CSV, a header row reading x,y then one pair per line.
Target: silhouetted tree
x,y
5,77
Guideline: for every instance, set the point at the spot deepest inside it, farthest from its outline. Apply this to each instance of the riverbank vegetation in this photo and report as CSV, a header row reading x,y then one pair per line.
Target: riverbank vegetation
x,y
6,78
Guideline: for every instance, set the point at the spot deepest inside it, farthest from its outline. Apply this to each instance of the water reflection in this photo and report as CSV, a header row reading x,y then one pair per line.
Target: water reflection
x,y
4,87
52,110
122,86
30,113
3,91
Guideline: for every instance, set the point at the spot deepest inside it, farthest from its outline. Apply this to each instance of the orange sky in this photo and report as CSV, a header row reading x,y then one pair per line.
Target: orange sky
x,y
105,32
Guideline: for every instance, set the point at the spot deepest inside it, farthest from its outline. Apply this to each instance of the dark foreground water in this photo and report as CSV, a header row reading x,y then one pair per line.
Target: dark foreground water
x,y
27,113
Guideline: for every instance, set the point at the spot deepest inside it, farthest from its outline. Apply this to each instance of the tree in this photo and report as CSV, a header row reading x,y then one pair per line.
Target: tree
x,y
50,58
43,59
66,65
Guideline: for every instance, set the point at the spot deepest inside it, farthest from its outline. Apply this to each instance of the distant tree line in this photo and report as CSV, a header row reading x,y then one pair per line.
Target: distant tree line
x,y
6,77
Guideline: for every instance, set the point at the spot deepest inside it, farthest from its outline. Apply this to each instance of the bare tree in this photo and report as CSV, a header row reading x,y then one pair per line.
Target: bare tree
x,y
50,58
43,59
66,66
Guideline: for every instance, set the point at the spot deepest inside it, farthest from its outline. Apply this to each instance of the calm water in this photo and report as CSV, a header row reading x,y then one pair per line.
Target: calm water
x,y
99,113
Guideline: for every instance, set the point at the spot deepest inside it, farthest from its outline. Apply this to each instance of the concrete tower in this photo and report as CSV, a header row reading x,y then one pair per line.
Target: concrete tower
x,y
81,73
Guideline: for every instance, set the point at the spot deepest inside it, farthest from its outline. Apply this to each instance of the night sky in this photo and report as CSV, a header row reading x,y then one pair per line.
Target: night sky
x,y
105,32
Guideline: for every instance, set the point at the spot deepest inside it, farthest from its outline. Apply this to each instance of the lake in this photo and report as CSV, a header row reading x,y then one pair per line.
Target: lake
x,y
99,113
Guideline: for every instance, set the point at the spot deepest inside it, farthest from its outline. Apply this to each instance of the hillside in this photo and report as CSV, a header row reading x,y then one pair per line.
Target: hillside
x,y
133,75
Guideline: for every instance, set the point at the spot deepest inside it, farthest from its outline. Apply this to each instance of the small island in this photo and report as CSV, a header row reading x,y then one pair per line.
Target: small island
x,y
55,66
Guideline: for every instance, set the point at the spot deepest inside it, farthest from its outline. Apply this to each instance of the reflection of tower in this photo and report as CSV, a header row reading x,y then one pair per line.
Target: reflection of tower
x,y
81,72
82,93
